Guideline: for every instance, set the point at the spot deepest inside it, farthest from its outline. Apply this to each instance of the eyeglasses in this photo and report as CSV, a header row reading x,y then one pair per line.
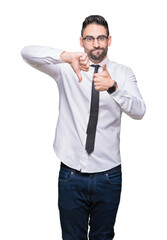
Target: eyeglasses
x,y
90,39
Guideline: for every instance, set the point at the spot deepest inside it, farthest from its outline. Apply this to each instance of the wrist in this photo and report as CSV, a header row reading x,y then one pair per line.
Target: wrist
x,y
111,83
65,57
113,87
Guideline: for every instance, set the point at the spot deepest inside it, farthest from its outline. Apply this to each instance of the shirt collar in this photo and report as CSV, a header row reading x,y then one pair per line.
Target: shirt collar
x,y
106,60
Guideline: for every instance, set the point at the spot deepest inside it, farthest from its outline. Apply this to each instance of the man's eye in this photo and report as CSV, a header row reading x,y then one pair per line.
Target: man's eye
x,y
89,39
101,38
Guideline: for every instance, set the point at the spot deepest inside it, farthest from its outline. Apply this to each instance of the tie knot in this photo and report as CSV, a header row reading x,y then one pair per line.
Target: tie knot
x,y
96,67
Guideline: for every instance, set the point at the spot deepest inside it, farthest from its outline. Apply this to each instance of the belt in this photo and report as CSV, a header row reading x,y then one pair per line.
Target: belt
x,y
112,170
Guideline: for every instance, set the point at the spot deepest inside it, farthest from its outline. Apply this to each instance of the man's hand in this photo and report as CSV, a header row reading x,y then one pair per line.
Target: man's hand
x,y
78,61
103,80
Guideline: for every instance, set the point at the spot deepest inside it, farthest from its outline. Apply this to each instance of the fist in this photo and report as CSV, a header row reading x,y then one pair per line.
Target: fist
x,y
78,61
103,80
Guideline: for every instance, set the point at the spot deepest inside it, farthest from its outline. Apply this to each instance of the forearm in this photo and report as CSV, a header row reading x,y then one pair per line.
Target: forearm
x,y
129,98
39,55
42,58
133,106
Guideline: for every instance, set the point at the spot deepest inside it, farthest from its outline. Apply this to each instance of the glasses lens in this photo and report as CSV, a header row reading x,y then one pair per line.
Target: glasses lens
x,y
101,38
89,39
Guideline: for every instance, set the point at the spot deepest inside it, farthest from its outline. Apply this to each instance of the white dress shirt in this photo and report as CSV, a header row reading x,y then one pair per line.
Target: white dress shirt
x,y
74,109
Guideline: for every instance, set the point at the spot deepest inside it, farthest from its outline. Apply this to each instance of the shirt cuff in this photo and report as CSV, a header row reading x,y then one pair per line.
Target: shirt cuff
x,y
117,95
56,55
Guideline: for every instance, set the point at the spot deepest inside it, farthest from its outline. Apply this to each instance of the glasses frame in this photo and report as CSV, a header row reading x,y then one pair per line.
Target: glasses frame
x,y
93,38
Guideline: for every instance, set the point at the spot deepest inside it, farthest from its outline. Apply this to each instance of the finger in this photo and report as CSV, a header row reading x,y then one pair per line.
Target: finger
x,y
84,62
104,66
98,75
98,78
97,81
95,75
97,88
84,57
84,65
85,69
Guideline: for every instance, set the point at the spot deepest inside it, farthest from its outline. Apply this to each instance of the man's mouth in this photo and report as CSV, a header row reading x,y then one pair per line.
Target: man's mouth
x,y
97,50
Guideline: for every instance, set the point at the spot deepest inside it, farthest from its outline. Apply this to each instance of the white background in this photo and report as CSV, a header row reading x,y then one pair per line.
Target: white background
x,y
29,109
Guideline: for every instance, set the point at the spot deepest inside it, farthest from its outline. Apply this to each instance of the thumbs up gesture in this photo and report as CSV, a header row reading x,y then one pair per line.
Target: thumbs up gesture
x,y
103,80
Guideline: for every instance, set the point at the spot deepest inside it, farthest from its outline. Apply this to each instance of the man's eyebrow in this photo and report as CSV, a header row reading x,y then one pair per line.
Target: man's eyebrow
x,y
102,35
89,36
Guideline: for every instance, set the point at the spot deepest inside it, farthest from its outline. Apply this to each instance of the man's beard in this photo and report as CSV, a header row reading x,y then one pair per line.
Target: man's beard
x,y
98,57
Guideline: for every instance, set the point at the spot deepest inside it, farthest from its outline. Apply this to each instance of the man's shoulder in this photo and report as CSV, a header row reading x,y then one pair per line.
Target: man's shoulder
x,y
119,68
117,65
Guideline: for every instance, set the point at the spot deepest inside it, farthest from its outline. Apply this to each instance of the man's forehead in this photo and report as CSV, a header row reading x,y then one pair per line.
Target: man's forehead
x,y
94,30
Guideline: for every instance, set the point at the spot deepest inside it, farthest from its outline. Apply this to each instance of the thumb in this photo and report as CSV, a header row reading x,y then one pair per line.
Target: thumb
x,y
79,76
104,66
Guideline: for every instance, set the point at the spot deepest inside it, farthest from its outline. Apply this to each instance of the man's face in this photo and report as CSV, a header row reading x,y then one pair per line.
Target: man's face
x,y
95,48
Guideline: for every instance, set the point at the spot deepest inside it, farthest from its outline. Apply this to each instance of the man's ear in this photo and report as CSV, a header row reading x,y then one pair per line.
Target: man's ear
x,y
109,40
81,42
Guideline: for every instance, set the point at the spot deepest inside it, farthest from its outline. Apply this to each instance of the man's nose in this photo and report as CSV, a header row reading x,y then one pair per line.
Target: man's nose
x,y
95,43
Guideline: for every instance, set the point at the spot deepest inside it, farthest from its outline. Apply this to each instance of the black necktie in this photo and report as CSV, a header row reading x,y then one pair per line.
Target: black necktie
x,y
94,109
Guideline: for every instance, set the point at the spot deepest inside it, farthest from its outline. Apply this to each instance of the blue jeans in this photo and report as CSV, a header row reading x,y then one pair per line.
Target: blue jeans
x,y
88,200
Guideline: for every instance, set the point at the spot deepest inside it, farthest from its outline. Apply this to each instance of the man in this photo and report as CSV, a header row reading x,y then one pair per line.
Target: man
x,y
93,93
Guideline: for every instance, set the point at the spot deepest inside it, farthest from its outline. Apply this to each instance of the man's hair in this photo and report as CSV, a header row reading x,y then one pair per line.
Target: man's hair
x,y
97,19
